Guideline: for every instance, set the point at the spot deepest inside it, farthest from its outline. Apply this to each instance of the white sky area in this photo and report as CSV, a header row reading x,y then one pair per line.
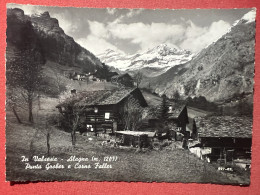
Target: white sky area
x,y
133,31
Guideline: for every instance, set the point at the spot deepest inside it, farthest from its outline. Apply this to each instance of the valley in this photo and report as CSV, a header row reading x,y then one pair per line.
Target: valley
x,y
166,114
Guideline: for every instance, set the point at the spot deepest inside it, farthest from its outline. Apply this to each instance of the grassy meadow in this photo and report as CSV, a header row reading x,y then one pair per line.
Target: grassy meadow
x,y
170,164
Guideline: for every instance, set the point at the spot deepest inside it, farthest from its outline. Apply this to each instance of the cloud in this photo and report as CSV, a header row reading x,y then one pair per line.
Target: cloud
x,y
28,9
111,11
197,38
147,35
130,14
134,12
96,45
98,39
68,27
98,29
98,36
183,35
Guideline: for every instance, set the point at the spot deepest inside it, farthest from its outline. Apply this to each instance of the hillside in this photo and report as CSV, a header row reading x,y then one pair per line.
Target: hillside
x,y
131,165
152,62
222,71
55,45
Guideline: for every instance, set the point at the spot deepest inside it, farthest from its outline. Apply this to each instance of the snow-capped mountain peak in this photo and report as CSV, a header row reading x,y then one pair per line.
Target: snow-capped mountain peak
x,y
160,59
247,18
250,16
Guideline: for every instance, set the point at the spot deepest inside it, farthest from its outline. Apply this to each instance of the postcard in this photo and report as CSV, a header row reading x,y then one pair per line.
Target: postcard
x,y
147,95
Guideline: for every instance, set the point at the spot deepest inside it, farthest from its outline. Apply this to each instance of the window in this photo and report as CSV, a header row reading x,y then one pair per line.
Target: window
x,y
179,128
107,116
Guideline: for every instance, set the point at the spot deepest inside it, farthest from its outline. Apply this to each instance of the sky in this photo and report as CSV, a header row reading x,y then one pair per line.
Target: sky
x,y
132,31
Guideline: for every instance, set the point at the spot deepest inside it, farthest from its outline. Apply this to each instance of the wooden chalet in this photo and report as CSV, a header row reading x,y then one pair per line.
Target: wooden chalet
x,y
123,79
225,137
177,119
178,114
103,108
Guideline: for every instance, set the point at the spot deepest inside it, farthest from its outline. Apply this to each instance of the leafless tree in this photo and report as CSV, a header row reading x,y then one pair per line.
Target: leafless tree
x,y
138,77
43,131
24,72
13,101
74,125
72,115
132,114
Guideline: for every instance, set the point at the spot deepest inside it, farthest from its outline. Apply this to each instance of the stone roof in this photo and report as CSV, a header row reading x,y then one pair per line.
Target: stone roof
x,y
153,112
176,110
101,97
224,126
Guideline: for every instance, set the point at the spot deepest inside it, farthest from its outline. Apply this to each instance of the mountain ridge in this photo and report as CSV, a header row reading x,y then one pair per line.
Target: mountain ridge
x,y
152,62
56,45
220,71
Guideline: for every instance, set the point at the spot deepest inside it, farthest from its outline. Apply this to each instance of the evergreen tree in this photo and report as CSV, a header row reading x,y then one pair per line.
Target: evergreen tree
x,y
103,71
176,95
164,109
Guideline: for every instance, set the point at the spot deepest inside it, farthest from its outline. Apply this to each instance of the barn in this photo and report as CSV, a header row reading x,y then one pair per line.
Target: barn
x,y
226,138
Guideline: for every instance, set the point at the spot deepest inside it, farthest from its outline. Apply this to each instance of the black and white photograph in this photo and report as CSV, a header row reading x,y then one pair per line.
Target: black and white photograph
x,y
134,95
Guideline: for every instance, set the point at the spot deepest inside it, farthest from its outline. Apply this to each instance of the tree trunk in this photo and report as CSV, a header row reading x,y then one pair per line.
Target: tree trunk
x,y
30,109
39,102
16,115
73,138
48,144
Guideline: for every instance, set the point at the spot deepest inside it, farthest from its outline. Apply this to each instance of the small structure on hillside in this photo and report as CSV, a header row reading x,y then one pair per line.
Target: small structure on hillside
x,y
84,77
77,76
225,138
102,110
110,75
123,79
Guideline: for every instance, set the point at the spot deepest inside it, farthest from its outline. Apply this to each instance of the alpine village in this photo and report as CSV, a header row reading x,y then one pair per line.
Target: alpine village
x,y
187,122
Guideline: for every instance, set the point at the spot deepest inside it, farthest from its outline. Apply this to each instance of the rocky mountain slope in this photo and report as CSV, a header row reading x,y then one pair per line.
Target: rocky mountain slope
x,y
223,70
56,46
151,63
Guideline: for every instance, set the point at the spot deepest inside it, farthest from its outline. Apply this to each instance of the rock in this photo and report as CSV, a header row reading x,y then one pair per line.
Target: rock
x,y
55,44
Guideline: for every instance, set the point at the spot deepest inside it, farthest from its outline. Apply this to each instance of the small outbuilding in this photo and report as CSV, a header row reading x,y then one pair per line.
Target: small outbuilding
x,y
225,137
